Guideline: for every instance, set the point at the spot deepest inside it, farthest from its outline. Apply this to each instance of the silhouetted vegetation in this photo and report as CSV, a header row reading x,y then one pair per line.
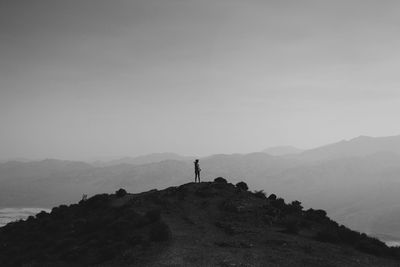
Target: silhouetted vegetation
x,y
104,228
293,218
120,192
242,186
278,203
294,207
91,232
316,215
260,194
220,180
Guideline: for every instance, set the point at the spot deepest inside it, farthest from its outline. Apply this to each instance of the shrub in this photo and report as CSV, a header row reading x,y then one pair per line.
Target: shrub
x,y
96,201
348,236
42,214
316,215
260,194
242,186
320,213
120,193
294,207
30,219
220,180
59,212
159,231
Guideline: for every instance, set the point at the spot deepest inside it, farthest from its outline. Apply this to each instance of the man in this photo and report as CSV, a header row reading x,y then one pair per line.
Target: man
x,y
196,170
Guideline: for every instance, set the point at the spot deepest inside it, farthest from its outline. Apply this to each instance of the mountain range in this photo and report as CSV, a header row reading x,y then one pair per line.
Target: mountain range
x,y
282,150
356,181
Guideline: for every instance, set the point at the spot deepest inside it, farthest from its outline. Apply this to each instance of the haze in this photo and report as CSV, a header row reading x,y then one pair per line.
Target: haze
x,y
84,79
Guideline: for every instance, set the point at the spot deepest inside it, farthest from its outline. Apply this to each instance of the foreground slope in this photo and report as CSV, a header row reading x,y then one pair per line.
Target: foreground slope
x,y
204,224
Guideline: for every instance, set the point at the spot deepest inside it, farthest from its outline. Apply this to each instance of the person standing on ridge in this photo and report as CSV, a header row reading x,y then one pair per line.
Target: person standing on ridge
x,y
196,170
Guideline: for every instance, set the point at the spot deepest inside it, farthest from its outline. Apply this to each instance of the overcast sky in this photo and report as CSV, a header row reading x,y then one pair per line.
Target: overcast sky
x,y
81,79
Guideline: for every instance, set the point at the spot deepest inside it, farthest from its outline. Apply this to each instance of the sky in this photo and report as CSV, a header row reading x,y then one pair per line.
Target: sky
x,y
83,79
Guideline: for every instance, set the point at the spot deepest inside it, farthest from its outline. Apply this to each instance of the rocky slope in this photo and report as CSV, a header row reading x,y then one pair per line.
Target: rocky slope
x,y
204,224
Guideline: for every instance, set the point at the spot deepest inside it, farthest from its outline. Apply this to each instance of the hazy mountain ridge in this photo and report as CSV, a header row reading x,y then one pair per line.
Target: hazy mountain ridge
x,y
359,188
144,159
356,147
282,150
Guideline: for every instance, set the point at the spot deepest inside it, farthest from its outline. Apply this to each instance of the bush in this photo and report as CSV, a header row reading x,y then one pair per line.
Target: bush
x,y
30,219
42,214
97,201
294,207
348,236
220,180
59,212
260,194
159,232
120,193
272,197
242,186
316,215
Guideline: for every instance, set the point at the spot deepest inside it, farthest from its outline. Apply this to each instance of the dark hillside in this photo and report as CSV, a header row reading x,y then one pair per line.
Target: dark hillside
x,y
206,224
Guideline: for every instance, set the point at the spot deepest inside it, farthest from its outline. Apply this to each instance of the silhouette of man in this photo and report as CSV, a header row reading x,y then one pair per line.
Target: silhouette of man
x,y
196,170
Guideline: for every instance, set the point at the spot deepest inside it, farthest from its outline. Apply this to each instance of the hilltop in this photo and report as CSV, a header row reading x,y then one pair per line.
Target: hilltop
x,y
204,224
